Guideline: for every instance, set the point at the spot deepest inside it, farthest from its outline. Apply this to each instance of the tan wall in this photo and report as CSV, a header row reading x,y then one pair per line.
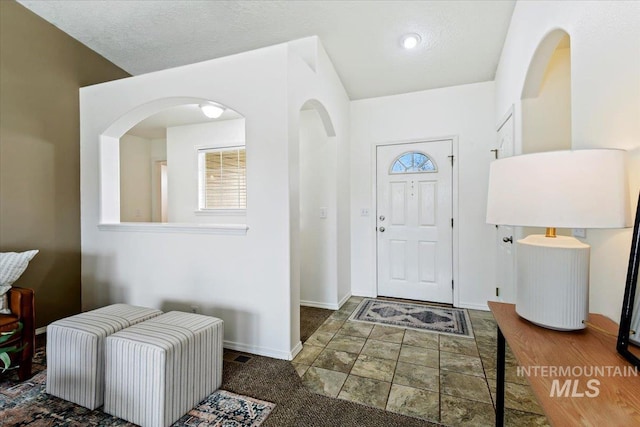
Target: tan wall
x,y
135,179
41,70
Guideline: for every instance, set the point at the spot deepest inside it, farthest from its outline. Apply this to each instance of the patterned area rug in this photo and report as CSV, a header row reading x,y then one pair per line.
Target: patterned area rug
x,y
27,404
443,320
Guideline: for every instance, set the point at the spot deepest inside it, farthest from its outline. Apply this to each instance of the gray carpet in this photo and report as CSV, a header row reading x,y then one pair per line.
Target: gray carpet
x,y
276,381
310,319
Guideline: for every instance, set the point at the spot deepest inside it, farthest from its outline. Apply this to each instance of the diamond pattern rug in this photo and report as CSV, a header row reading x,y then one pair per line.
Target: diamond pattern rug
x,y
443,320
27,404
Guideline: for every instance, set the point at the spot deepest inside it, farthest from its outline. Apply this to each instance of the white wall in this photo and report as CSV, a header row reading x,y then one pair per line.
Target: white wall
x,y
243,279
318,258
605,100
183,143
314,81
462,111
135,179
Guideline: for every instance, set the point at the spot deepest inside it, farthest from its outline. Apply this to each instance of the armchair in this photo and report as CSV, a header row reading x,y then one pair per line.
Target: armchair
x,y
21,302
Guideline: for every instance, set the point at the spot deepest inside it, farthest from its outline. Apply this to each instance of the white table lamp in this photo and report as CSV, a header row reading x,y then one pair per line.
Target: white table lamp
x,y
557,189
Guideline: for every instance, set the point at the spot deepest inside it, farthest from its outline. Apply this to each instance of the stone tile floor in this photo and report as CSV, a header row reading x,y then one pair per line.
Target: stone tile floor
x,y
426,375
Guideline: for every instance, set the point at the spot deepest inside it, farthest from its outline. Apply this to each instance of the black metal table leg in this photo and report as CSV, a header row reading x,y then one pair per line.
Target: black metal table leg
x,y
500,380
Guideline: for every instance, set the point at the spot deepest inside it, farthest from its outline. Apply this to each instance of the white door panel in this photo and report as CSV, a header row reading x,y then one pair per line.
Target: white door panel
x,y
398,259
427,263
427,204
398,203
414,221
505,261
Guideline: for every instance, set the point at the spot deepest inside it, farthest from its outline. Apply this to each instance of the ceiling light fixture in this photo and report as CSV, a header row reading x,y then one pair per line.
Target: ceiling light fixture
x,y
213,111
409,41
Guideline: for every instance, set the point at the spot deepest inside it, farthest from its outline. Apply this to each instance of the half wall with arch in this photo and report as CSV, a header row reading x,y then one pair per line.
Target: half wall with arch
x,y
236,269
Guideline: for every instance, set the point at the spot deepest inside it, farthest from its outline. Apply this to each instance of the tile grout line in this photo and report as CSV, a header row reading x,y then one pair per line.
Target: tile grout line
x,y
395,369
368,338
351,368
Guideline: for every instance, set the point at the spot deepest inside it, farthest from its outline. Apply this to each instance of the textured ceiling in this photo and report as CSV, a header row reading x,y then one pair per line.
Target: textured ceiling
x,y
462,40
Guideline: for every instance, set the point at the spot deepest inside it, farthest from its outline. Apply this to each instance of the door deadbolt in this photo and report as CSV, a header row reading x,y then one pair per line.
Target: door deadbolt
x,y
381,229
382,218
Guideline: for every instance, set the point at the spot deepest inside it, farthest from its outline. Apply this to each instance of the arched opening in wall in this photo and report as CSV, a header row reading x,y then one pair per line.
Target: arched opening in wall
x,y
546,100
318,214
183,163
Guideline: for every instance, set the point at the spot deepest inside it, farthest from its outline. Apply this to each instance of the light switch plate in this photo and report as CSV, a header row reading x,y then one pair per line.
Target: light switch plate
x,y
323,213
579,232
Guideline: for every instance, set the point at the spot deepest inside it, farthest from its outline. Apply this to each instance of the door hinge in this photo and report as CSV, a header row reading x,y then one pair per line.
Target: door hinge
x,y
451,222
497,292
451,283
451,158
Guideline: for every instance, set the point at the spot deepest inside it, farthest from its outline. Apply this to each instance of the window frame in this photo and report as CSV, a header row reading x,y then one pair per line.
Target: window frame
x,y
397,159
201,152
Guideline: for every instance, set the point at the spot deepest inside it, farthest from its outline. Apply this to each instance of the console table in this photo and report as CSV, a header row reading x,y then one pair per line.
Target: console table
x,y
617,402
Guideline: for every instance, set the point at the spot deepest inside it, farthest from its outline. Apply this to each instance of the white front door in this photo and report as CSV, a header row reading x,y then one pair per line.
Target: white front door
x,y
505,261
414,221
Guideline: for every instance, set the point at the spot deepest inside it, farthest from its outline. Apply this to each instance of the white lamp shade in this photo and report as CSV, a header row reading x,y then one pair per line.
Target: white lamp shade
x,y
562,189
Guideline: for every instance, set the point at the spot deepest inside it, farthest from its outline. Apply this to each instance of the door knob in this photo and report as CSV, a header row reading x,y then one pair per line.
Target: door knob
x,y
381,217
508,239
381,229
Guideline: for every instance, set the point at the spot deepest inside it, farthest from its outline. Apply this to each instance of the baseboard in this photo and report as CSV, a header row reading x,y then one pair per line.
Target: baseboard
x,y
297,349
263,351
343,300
482,307
324,305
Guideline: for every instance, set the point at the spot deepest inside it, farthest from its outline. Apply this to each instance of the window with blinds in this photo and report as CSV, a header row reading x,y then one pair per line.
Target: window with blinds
x,y
223,178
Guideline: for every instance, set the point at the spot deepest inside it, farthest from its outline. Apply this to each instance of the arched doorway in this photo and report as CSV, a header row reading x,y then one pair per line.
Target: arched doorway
x,y
318,214
546,100
546,96
545,112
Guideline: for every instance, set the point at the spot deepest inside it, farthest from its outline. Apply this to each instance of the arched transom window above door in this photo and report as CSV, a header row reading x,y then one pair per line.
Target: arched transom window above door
x,y
413,162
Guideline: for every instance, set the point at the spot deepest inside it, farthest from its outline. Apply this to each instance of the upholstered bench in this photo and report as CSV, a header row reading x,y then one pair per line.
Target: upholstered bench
x,y
157,370
75,351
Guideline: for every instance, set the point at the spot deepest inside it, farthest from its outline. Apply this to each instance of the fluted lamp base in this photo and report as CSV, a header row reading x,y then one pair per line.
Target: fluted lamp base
x,y
553,282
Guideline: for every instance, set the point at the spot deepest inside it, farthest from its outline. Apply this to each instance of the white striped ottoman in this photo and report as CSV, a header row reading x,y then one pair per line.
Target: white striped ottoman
x,y
75,351
157,370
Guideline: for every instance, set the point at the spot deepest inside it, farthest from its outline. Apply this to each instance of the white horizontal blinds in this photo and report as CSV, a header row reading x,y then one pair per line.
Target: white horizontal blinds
x,y
225,182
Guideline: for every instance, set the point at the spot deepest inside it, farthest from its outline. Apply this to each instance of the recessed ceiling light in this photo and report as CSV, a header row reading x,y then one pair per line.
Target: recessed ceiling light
x,y
409,41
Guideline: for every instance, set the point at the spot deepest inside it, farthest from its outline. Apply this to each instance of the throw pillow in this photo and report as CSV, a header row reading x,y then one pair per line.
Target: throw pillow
x,y
12,265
